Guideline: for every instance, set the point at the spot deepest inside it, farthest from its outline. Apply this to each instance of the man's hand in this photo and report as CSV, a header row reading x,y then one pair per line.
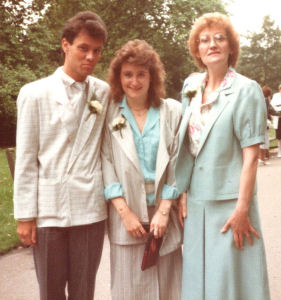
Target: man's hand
x,y
27,232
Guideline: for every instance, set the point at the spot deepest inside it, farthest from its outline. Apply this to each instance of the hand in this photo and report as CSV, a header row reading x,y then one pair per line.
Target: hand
x,y
182,208
240,224
133,224
27,232
159,224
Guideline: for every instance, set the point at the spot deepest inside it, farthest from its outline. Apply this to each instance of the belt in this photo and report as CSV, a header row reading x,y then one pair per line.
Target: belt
x,y
149,187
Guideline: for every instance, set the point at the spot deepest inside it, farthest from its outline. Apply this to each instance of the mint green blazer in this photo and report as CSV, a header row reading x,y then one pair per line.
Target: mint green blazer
x,y
238,120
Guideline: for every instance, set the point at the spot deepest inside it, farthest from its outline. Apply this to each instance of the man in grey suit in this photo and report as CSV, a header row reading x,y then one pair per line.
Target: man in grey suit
x,y
58,191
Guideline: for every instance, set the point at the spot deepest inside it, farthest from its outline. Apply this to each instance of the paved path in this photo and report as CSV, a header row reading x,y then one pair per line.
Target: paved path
x,y
17,275
269,192
18,280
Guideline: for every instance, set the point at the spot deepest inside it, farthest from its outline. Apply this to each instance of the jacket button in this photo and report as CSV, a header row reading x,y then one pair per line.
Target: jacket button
x,y
200,167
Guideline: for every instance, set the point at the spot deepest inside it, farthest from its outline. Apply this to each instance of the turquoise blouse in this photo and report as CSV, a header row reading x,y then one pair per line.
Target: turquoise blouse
x,y
146,146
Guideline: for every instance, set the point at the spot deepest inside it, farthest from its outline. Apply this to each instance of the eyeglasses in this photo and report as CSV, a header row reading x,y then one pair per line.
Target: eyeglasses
x,y
218,38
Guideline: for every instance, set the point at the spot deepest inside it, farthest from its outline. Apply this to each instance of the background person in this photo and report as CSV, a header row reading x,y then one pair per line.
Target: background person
x,y
264,148
223,124
58,192
138,156
276,104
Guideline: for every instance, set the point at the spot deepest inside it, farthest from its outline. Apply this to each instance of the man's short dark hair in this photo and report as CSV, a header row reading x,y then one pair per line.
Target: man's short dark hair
x,y
84,21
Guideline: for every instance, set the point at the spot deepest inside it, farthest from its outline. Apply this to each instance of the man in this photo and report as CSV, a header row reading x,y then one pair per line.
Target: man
x,y
276,104
58,193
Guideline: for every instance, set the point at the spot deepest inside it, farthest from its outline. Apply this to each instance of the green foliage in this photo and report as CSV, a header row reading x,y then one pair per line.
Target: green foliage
x,y
272,137
260,60
30,39
12,81
8,235
164,24
14,70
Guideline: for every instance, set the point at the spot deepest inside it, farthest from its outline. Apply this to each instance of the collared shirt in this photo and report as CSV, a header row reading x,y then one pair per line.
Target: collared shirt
x,y
76,93
200,113
146,143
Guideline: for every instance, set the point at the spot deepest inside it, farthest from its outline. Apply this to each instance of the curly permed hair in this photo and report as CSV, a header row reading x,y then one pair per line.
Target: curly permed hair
x,y
138,52
210,20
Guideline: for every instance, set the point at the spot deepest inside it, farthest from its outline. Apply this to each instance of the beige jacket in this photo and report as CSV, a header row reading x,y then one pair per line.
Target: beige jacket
x,y
58,177
120,164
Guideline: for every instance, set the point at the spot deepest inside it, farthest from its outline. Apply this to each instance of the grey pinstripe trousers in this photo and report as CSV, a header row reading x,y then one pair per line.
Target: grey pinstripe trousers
x,y
68,256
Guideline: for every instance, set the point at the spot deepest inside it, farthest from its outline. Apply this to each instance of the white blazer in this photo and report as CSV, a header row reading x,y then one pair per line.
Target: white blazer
x,y
58,177
120,163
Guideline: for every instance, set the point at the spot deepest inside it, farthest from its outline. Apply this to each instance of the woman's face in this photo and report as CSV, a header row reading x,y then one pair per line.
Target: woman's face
x,y
135,81
213,48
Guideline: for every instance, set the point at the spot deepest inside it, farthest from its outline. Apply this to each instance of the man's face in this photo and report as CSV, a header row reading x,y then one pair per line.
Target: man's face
x,y
81,56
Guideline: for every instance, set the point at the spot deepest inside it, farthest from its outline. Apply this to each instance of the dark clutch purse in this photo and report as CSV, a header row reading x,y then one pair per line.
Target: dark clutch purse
x,y
151,251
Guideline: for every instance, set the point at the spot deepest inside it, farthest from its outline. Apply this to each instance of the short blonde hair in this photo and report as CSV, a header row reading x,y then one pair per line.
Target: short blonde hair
x,y
209,20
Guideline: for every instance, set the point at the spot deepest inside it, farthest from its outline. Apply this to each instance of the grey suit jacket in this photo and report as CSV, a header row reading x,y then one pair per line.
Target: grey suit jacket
x,y
58,177
120,164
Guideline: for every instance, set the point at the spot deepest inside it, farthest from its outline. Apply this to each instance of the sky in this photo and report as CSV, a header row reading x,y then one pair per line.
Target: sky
x,y
248,14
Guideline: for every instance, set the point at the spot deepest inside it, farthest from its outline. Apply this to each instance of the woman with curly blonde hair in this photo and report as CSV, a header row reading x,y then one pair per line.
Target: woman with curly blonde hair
x,y
138,156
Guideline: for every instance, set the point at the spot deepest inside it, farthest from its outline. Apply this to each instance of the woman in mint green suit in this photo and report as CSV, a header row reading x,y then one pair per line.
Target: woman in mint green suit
x,y
224,120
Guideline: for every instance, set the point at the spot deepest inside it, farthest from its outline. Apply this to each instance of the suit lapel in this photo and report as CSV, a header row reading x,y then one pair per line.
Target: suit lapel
x,y
86,125
217,109
183,125
166,139
66,113
125,139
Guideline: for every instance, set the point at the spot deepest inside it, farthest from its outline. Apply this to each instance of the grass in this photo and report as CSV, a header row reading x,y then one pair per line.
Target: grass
x,y
8,235
273,143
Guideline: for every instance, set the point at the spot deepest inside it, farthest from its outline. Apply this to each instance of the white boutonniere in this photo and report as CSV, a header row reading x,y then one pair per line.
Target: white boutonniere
x,y
94,105
119,123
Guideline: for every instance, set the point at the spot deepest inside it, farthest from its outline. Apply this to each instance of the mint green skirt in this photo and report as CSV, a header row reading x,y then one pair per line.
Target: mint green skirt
x,y
213,269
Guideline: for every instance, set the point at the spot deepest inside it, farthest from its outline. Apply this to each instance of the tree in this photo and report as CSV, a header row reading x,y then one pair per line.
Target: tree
x,y
14,71
31,47
165,24
260,60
